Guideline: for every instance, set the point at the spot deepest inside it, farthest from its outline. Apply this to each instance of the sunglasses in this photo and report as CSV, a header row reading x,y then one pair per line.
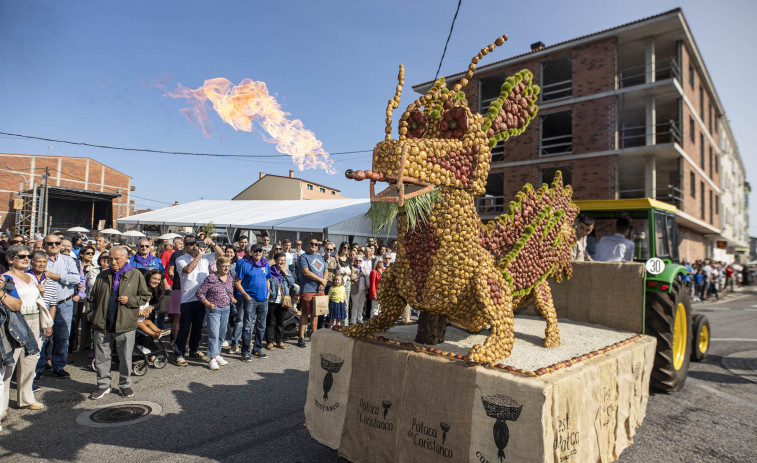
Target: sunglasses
x,y
257,251
17,241
277,249
144,245
89,253
52,243
23,256
313,244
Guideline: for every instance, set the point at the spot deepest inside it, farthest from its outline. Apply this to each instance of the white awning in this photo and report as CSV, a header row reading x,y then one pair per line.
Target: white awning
x,y
336,216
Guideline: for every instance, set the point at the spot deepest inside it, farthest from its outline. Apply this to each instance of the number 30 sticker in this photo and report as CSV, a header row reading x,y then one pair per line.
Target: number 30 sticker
x,y
655,266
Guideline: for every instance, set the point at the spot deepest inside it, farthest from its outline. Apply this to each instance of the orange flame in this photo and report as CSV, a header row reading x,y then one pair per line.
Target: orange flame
x,y
240,105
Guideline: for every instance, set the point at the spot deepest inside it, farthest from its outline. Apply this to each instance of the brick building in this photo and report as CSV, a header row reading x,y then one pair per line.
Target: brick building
x,y
80,191
628,112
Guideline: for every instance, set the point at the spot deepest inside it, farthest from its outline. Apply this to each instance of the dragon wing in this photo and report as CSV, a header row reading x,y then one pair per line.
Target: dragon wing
x,y
532,240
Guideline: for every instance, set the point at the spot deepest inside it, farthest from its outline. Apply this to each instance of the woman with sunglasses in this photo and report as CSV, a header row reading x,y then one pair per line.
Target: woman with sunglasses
x,y
88,265
28,290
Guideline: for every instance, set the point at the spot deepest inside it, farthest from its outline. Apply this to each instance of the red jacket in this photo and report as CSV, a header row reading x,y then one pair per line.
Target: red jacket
x,y
373,280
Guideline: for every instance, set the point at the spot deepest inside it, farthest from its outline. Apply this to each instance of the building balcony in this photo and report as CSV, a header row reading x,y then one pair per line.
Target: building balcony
x,y
670,194
636,135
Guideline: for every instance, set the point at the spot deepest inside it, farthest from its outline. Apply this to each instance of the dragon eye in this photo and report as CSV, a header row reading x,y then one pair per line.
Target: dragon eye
x,y
454,123
416,124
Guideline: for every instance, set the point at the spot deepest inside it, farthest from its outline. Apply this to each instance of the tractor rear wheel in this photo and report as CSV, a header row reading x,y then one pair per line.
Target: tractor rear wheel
x,y
669,319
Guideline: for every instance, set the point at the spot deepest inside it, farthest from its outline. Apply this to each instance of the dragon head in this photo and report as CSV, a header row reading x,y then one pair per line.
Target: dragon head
x,y
442,144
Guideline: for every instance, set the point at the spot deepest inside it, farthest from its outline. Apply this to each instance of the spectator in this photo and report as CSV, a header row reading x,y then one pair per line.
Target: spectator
x,y
50,298
174,299
707,270
216,293
236,313
253,283
275,249
154,279
374,278
63,270
699,285
266,244
337,306
298,251
686,279
38,235
242,244
115,301
101,246
290,255
584,226
358,288
86,264
369,259
143,260
313,278
165,256
27,290
729,273
617,247
193,268
281,282
76,245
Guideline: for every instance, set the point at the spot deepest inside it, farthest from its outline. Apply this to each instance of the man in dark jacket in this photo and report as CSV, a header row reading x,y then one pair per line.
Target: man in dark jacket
x,y
115,301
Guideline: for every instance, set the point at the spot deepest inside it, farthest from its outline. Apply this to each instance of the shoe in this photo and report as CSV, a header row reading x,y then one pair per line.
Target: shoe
x,y
180,362
225,345
99,394
63,374
269,346
281,345
222,361
198,355
259,355
4,415
301,342
38,376
213,364
36,387
127,392
33,406
246,358
48,366
70,358
234,350
164,333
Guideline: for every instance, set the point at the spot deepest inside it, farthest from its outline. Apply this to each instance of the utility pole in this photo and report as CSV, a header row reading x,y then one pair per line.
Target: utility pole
x,y
45,227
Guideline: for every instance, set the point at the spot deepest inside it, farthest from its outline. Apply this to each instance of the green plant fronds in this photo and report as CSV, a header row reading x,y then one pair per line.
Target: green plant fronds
x,y
416,209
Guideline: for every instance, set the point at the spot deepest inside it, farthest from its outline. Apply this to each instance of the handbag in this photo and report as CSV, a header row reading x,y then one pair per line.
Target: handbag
x,y
321,305
286,301
45,319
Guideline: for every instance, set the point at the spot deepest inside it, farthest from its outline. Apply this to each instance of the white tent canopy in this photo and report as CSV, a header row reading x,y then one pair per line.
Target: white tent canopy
x,y
330,216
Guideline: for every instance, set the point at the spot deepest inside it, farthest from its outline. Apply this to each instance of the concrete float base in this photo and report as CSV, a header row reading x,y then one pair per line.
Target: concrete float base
x,y
380,400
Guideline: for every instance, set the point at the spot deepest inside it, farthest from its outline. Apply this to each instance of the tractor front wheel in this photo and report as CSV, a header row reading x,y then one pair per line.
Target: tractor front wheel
x,y
669,319
700,343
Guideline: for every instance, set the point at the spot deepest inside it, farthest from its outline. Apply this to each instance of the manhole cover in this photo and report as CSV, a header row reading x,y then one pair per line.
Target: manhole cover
x,y
122,414
743,364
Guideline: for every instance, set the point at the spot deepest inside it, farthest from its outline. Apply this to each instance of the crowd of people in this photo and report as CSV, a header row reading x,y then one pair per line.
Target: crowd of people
x,y
60,296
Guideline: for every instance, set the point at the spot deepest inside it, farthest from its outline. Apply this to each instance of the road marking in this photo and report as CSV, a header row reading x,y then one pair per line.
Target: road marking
x,y
734,339
731,299
722,394
712,309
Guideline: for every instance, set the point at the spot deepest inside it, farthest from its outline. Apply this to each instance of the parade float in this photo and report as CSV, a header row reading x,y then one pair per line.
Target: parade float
x,y
472,382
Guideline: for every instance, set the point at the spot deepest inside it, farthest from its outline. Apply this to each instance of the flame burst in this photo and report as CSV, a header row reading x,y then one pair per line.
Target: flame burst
x,y
240,105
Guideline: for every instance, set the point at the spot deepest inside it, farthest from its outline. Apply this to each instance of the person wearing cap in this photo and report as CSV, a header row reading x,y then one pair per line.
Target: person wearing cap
x,y
193,267
253,282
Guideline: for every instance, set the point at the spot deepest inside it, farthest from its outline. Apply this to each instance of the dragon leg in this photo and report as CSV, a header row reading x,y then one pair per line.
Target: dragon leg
x,y
546,306
391,308
495,301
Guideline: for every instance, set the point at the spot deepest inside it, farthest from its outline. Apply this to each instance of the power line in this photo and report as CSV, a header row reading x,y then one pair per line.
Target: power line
x,y
459,2
182,153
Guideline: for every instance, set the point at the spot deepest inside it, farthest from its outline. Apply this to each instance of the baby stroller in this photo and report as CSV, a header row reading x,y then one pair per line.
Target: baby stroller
x,y
147,351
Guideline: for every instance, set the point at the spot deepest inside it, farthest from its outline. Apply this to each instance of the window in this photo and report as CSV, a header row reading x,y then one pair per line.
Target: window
x,y
548,174
557,133
711,215
691,75
717,168
321,190
711,176
692,130
333,193
701,102
693,185
310,187
701,150
717,204
701,198
556,79
709,116
491,87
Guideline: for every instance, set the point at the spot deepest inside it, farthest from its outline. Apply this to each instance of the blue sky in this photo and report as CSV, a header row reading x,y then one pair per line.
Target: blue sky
x,y
86,71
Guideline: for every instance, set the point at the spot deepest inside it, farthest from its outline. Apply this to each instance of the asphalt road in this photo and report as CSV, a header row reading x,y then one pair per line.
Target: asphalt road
x,y
255,410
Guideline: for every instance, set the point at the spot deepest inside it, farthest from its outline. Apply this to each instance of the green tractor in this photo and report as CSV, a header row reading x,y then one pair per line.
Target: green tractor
x,y
681,335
